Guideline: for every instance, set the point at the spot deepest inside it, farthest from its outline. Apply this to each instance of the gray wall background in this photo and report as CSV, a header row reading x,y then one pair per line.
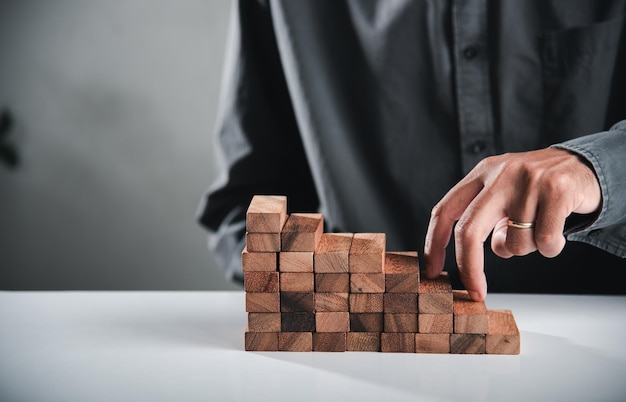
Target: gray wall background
x,y
114,105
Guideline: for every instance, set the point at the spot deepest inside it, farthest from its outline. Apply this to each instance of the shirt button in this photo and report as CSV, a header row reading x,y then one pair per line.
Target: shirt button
x,y
470,52
477,147
595,233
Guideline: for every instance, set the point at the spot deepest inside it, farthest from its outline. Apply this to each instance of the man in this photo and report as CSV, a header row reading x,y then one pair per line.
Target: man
x,y
476,121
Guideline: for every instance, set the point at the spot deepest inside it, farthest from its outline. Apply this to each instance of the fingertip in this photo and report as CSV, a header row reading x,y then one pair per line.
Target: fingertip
x,y
431,272
476,295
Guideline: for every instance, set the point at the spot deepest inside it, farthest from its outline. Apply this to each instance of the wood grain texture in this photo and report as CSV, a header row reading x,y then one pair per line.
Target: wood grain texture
x,y
367,253
255,261
503,336
367,283
329,341
295,341
432,343
327,302
297,322
366,302
400,322
263,242
261,341
263,302
434,323
467,344
397,342
332,321
297,282
302,232
291,302
470,317
332,283
363,341
332,253
266,213
401,272
266,282
435,295
264,322
400,303
295,261
366,322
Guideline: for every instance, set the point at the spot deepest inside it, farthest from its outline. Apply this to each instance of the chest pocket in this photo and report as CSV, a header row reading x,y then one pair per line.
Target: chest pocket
x,y
584,79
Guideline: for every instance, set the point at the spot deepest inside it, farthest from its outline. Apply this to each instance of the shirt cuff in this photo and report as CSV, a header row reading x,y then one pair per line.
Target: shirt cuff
x,y
606,153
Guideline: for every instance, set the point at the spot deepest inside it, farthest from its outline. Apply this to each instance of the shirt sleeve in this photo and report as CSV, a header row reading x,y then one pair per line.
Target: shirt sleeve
x,y
606,153
257,142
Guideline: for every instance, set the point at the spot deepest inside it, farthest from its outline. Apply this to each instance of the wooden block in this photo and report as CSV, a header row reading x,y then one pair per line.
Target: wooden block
x,y
297,282
432,343
363,341
467,344
400,322
332,321
434,323
332,283
470,317
297,322
503,337
331,255
402,272
263,242
295,261
263,302
331,302
254,261
297,301
366,322
295,341
366,302
266,214
367,253
302,232
435,295
367,283
397,342
329,341
266,282
261,341
400,303
264,322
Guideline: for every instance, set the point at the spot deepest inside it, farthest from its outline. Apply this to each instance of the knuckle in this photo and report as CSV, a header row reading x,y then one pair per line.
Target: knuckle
x,y
558,183
549,244
544,239
466,232
437,210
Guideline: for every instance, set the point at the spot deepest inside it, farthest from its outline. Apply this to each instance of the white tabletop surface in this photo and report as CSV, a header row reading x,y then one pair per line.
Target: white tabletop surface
x,y
188,346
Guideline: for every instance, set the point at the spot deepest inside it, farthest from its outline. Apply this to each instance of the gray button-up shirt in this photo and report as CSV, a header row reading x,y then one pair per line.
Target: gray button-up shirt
x,y
370,111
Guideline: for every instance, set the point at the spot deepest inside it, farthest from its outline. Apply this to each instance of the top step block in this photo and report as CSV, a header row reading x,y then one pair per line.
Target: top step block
x,y
302,232
266,214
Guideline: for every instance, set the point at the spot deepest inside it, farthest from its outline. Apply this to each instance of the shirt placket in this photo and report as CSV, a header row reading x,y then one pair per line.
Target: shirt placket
x,y
472,82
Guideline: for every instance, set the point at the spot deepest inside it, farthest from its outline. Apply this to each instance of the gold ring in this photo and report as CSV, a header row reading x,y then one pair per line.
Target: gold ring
x,y
521,225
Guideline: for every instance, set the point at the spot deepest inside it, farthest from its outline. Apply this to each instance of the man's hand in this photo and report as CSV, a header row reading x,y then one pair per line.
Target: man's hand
x,y
543,187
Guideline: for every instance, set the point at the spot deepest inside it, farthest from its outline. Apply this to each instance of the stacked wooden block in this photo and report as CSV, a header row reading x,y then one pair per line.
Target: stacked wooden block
x,y
307,290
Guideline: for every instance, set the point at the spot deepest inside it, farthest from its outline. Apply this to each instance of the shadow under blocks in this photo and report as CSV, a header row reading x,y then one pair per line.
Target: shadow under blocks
x,y
307,290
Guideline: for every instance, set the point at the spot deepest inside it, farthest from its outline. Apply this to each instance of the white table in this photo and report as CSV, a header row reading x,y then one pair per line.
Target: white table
x,y
188,346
